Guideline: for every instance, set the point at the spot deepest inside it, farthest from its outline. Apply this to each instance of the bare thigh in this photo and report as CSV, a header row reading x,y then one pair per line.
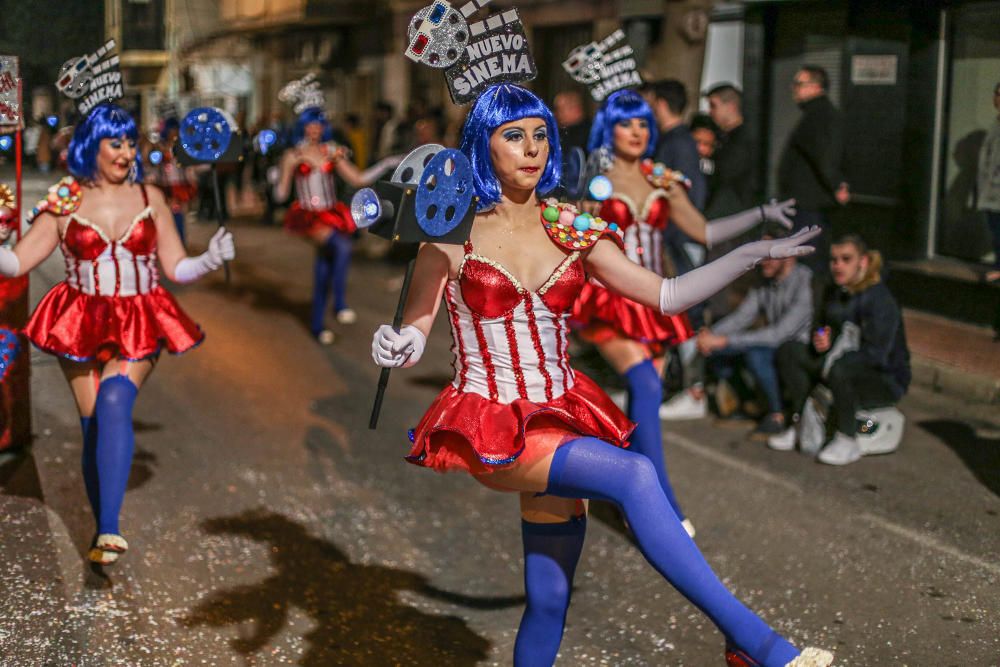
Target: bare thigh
x,y
623,353
85,377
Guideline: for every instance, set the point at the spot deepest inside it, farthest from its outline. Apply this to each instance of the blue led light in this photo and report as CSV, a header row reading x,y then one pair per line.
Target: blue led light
x,y
600,188
52,121
6,142
155,157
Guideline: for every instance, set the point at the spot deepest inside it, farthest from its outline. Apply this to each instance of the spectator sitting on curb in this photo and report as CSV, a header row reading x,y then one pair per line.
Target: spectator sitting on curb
x,y
858,350
784,301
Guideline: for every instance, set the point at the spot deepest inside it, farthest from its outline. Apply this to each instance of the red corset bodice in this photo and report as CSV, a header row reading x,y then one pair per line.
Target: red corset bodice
x,y
304,168
491,291
655,210
85,241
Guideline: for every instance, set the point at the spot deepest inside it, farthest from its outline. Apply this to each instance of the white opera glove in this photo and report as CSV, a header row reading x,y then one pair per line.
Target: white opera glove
x,y
397,350
731,226
221,248
371,174
10,265
679,294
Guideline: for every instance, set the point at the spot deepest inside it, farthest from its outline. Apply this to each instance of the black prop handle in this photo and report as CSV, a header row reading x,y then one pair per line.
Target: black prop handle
x,y
397,322
218,210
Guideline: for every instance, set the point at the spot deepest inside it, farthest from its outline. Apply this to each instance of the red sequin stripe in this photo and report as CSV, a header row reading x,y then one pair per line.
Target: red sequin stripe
x,y
536,340
561,354
515,354
118,273
97,277
491,372
455,327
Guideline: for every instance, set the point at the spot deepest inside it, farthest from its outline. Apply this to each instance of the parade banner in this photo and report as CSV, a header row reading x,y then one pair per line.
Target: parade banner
x,y
15,395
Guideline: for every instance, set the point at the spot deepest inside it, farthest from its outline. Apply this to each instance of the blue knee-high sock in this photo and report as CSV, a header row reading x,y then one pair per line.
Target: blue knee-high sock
x,y
322,275
89,460
341,247
645,393
588,468
551,552
115,444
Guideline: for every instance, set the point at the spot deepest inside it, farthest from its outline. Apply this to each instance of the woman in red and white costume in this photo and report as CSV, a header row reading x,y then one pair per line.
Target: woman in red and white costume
x,y
109,320
318,215
633,337
517,417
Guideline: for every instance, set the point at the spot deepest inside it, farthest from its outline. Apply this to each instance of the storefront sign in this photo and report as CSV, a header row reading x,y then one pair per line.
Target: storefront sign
x,y
10,107
874,70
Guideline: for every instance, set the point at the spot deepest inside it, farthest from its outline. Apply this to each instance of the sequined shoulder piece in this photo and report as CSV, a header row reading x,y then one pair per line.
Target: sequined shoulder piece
x,y
573,230
63,198
660,176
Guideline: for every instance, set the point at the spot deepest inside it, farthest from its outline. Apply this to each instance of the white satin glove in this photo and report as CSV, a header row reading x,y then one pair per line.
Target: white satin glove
x,y
221,248
679,294
397,350
779,212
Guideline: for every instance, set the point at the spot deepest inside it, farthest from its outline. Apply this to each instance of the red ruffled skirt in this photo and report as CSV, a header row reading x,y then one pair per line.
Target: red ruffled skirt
x,y
465,431
83,327
600,314
301,221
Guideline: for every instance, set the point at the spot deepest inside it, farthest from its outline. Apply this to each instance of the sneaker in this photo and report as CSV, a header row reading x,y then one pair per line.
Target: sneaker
x,y
784,441
843,449
347,316
684,406
772,424
325,337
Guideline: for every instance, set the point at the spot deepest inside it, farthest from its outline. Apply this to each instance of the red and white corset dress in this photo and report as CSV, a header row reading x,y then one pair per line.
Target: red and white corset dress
x,y
602,314
111,304
511,371
316,205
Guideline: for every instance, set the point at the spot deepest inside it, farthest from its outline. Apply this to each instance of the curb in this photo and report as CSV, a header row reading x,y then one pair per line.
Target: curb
x,y
943,379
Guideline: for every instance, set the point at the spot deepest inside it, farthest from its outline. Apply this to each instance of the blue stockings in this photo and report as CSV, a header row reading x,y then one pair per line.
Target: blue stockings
x,y
645,393
590,468
108,443
333,259
551,552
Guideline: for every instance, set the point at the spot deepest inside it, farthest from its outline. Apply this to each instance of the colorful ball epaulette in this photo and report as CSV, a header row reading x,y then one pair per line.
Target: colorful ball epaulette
x,y
659,176
63,199
570,228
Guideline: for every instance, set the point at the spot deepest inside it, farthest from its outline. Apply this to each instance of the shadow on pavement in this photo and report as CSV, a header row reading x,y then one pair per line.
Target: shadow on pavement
x,y
260,293
19,475
980,455
356,609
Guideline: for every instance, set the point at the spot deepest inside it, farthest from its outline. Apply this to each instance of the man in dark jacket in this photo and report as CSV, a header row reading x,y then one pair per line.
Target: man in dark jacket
x,y
809,170
675,147
858,350
733,186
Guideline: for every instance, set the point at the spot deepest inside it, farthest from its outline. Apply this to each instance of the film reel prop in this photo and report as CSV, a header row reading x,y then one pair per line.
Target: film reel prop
x,y
209,136
582,177
430,198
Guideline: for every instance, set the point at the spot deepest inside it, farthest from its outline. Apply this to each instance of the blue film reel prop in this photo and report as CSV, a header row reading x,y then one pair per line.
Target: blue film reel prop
x,y
9,348
574,164
445,193
205,133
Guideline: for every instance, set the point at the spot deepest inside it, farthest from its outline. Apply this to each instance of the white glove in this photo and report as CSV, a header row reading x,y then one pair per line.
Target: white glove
x,y
10,265
679,294
397,350
371,174
221,248
779,211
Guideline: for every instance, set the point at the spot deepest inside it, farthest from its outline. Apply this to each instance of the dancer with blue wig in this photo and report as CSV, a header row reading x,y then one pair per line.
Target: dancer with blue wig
x,y
633,337
110,319
317,214
517,417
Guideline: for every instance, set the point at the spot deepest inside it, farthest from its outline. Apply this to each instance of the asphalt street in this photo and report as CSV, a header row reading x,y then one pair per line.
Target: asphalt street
x,y
268,525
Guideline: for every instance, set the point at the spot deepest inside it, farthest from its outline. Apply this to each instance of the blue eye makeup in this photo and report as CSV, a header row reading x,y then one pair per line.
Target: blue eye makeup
x,y
513,135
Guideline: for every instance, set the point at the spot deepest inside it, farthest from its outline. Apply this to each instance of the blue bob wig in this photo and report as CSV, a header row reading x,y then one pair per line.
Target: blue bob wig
x,y
622,105
311,115
105,121
501,104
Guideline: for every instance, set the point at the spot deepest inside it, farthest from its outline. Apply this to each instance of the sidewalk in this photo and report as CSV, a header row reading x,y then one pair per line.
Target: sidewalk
x,y
954,358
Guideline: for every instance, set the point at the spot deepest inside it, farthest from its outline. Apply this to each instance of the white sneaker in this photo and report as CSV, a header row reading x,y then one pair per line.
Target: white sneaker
x,y
784,441
684,406
843,449
326,337
688,527
619,398
347,316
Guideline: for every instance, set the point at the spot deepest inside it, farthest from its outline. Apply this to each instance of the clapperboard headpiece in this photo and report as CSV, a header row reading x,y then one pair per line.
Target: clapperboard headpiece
x,y
602,67
473,54
302,94
91,79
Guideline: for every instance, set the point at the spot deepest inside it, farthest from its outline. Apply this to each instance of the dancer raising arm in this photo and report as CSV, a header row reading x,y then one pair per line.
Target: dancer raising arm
x,y
108,321
516,416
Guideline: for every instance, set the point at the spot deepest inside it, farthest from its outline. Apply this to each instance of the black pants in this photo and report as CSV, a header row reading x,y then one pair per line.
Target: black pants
x,y
853,385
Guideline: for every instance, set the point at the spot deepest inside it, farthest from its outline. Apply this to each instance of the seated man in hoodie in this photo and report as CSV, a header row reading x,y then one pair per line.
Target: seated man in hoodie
x,y
782,302
858,350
